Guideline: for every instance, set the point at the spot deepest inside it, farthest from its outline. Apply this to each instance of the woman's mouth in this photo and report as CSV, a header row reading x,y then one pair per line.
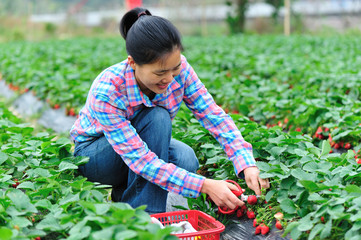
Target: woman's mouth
x,y
162,86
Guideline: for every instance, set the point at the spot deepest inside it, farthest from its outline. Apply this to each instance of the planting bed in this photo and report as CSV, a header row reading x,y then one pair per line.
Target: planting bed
x,y
296,100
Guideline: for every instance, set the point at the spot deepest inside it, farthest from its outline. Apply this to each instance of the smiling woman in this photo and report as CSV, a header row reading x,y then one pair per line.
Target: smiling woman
x,y
154,78
125,127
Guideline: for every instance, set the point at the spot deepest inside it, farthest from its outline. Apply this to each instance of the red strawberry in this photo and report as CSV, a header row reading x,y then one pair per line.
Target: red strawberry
x,y
72,112
359,161
286,120
255,224
56,106
264,229
323,219
347,146
298,129
244,208
337,146
250,214
240,213
258,230
279,225
252,199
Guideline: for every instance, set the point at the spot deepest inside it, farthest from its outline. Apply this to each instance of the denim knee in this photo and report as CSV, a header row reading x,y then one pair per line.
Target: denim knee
x,y
160,119
183,156
192,164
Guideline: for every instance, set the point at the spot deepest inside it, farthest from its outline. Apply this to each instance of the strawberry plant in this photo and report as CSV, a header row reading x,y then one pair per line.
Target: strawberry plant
x,y
44,197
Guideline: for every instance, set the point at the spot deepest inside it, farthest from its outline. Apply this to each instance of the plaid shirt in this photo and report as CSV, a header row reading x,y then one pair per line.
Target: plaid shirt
x,y
114,100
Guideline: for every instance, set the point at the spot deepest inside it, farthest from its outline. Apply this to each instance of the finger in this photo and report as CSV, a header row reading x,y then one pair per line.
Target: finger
x,y
234,202
232,187
254,185
264,183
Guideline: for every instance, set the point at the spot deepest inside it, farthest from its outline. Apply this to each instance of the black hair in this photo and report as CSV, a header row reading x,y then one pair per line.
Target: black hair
x,y
148,38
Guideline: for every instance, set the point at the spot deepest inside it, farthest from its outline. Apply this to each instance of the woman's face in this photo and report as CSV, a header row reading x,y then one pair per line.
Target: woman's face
x,y
156,77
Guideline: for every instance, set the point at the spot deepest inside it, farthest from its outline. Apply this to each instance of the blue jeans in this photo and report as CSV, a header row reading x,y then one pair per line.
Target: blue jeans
x,y
105,166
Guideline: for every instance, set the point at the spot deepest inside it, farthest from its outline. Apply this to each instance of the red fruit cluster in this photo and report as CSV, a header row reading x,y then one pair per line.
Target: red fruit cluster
x,y
358,160
241,211
261,229
338,144
70,111
16,184
318,134
250,214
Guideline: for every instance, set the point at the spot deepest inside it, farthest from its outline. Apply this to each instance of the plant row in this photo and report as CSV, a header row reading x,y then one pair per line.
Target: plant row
x,y
314,194
298,82
43,197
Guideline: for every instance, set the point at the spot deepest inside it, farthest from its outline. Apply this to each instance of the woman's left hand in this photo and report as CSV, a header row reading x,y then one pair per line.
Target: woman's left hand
x,y
253,180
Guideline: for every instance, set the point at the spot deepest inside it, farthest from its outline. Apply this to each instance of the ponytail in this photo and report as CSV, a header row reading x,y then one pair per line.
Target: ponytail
x,y
130,18
148,38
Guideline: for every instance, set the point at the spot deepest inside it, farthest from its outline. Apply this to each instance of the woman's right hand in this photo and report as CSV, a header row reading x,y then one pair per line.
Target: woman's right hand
x,y
221,193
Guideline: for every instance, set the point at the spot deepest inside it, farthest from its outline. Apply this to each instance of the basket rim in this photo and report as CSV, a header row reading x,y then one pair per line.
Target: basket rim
x,y
219,227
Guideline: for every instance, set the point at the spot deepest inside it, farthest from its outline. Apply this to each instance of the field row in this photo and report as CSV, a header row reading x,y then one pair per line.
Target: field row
x,y
296,100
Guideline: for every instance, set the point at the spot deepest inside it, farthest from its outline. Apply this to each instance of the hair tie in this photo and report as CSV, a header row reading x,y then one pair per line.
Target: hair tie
x,y
141,14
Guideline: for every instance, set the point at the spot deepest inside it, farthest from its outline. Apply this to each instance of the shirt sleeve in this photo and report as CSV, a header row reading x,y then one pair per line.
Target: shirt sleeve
x,y
217,122
135,153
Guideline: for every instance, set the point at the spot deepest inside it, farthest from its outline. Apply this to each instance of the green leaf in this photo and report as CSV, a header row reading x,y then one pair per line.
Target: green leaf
x,y
69,198
49,223
26,185
315,197
290,227
66,165
302,175
127,234
276,151
310,185
21,222
288,206
316,230
5,233
21,201
102,208
305,223
353,189
326,148
3,157
105,234
270,194
263,166
326,232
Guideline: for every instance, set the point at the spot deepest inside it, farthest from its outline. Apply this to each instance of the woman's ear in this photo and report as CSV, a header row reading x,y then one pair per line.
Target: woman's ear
x,y
131,62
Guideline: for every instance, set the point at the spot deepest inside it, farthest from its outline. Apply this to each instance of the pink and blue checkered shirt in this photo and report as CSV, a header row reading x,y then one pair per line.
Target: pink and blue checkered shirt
x,y
115,98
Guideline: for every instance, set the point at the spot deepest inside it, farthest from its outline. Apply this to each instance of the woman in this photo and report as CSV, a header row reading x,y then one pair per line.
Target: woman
x,y
125,126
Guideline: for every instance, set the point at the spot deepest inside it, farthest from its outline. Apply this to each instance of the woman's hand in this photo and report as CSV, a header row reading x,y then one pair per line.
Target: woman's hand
x,y
253,180
221,193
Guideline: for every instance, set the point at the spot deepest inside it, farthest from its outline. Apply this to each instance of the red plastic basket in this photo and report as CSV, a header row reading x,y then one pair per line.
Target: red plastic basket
x,y
207,227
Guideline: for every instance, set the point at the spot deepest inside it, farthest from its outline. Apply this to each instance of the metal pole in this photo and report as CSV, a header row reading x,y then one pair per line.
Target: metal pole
x,y
287,19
